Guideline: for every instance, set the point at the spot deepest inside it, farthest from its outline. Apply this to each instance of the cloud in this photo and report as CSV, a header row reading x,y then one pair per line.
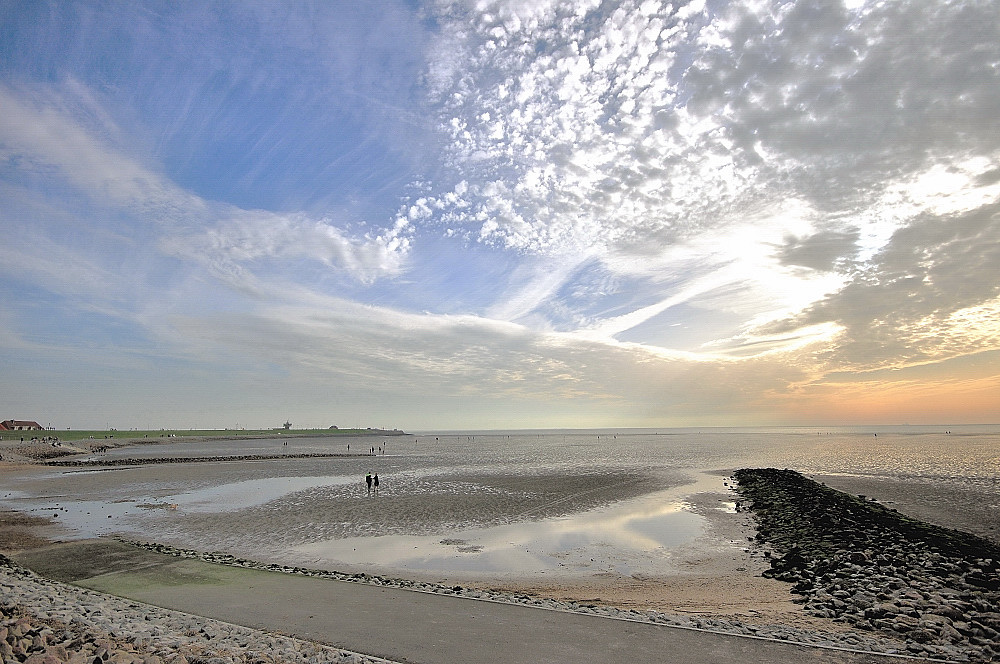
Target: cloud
x,y
411,360
641,129
43,132
243,242
632,211
645,123
53,132
929,295
558,125
820,251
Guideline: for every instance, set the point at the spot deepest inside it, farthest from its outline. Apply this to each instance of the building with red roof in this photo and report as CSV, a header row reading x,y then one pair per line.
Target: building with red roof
x,y
20,425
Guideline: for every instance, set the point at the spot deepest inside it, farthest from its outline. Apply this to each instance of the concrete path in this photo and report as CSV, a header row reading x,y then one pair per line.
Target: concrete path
x,y
400,625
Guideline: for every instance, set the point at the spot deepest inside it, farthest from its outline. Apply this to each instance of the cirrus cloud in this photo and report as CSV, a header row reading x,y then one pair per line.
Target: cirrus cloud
x,y
506,212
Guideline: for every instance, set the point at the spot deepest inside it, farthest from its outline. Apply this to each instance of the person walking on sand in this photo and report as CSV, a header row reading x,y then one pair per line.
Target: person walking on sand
x,y
375,482
368,480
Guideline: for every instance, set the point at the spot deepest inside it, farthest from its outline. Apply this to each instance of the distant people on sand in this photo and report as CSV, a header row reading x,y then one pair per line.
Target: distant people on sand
x,y
368,481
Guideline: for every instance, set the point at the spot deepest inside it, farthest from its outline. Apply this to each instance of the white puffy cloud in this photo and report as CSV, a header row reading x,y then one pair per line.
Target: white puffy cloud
x,y
771,149
560,113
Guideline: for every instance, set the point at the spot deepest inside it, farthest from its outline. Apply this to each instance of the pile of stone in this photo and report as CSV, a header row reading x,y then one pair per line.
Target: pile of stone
x,y
858,562
44,622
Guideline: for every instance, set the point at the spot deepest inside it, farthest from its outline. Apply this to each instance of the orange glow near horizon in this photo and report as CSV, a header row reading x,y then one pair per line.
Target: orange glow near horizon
x,y
972,401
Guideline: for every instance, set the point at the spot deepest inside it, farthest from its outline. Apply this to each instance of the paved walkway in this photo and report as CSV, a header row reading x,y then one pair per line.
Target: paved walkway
x,y
400,625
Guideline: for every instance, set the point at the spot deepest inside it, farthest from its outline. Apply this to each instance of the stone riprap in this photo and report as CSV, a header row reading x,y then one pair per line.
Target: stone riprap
x,y
46,622
145,461
859,562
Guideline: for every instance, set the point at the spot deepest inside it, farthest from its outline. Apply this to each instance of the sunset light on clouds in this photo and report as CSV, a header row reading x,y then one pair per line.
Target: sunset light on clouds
x,y
500,214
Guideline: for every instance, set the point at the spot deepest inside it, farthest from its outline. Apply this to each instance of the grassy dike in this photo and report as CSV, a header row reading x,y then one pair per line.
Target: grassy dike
x,y
71,435
43,446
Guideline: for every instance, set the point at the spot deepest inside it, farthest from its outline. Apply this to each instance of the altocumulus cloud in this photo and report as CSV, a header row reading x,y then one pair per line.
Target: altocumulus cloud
x,y
651,213
800,157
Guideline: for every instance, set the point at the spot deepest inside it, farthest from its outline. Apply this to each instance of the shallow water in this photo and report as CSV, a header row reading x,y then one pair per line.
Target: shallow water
x,y
234,496
617,539
314,510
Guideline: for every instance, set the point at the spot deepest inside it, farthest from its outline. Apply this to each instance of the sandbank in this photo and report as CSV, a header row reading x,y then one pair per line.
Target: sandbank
x,y
713,574
717,574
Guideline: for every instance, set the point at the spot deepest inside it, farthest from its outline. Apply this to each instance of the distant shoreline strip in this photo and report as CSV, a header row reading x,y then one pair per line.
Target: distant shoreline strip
x,y
145,461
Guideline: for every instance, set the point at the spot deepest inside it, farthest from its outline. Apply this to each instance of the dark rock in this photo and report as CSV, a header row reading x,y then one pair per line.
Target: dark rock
x,y
875,568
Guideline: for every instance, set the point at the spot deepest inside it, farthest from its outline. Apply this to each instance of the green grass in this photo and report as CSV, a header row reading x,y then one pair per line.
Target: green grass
x,y
69,435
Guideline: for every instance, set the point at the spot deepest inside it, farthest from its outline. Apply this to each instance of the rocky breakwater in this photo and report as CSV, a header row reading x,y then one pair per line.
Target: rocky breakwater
x,y
146,461
856,561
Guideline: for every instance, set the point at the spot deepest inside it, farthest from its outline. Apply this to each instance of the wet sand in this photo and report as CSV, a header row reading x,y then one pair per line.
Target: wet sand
x,y
402,622
712,572
942,503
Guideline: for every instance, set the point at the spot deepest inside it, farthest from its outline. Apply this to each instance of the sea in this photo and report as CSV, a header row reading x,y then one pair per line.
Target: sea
x,y
300,510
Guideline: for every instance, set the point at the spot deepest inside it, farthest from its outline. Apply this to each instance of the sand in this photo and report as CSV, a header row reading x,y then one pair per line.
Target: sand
x,y
714,575
941,502
717,574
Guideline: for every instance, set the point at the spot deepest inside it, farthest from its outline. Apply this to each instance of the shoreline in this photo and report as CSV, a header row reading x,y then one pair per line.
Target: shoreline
x,y
50,446
707,614
719,590
145,461
37,595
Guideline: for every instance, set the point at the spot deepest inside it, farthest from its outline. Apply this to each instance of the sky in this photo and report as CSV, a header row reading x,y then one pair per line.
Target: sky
x,y
465,214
